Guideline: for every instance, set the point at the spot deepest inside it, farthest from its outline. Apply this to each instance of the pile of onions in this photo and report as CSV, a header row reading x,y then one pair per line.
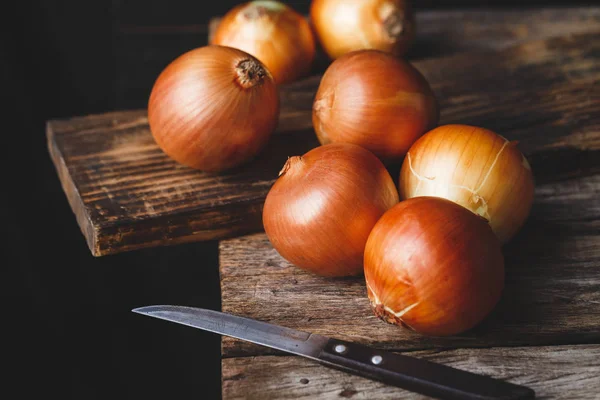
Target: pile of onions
x,y
343,26
272,32
376,101
213,108
320,211
476,168
433,266
433,262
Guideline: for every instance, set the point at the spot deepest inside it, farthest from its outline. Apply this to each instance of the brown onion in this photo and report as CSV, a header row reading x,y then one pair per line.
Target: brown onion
x,y
213,108
321,209
272,32
374,100
476,168
343,26
433,266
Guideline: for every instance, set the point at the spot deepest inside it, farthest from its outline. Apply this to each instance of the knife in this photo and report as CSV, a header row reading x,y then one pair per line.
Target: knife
x,y
406,372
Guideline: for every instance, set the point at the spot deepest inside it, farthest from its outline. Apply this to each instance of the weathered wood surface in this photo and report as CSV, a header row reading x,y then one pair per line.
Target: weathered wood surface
x,y
551,296
126,194
453,31
558,372
145,47
553,277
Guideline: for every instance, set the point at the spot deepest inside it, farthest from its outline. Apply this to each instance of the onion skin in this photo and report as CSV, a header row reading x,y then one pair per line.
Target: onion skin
x,y
476,168
433,266
320,211
376,101
213,108
343,26
274,33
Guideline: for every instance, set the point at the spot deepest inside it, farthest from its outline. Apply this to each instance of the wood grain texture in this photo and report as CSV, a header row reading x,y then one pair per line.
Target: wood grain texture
x,y
448,32
127,194
558,372
145,48
551,296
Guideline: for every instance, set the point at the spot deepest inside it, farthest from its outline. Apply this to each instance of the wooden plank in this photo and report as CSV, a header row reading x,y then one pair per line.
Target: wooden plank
x,y
128,195
551,295
449,32
561,372
144,48
154,12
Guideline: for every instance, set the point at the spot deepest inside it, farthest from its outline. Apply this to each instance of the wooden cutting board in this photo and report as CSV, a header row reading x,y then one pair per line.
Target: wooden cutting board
x,y
126,194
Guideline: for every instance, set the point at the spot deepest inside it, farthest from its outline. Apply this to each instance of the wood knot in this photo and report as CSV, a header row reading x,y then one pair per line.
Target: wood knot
x,y
347,393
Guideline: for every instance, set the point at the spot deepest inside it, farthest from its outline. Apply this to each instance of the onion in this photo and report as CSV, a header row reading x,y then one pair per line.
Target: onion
x,y
272,32
374,100
321,209
213,108
343,26
475,168
433,266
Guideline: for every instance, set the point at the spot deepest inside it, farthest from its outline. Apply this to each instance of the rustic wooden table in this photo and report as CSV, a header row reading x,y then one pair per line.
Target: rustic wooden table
x,y
531,75
545,333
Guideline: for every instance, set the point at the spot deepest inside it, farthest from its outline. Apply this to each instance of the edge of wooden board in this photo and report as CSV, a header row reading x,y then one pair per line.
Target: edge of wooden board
x,y
70,190
572,153
557,371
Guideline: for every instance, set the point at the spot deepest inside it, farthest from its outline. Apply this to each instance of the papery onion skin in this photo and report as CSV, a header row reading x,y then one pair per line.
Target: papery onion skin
x,y
476,168
273,32
433,266
343,26
213,108
320,211
376,101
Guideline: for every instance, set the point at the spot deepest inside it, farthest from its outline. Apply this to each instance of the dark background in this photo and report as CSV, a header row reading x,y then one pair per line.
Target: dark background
x,y
69,330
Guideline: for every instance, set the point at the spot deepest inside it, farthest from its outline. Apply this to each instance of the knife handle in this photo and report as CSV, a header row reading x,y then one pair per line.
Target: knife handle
x,y
418,375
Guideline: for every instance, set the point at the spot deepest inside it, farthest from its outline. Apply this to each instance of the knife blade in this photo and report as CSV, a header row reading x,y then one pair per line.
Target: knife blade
x,y
411,373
